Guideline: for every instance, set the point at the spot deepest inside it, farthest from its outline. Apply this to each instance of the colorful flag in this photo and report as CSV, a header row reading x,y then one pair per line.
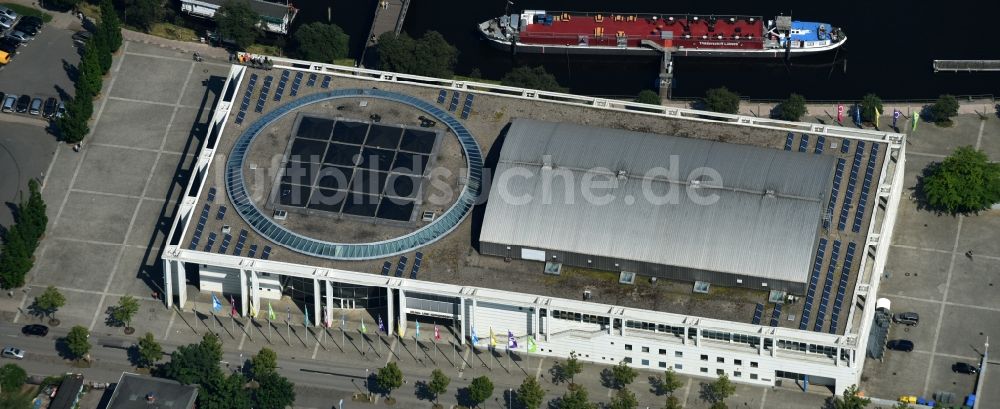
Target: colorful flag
x,y
532,346
493,339
401,328
306,320
895,116
840,112
232,301
877,114
270,312
253,311
437,334
326,319
857,114
475,339
511,341
216,304
916,118
381,326
364,329
417,334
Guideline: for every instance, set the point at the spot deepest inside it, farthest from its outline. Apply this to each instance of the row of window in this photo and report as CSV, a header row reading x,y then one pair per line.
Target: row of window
x,y
680,367
575,316
704,357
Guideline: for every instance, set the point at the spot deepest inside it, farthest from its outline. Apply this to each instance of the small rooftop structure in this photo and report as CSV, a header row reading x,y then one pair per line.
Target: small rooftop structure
x,y
68,393
143,392
275,17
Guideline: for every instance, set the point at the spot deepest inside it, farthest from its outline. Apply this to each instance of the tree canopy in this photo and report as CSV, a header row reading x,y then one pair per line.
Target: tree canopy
x,y
126,309
320,42
576,398
77,342
265,362
648,97
389,377
438,384
530,393
670,382
722,100
533,78
868,105
22,238
943,110
149,351
624,399
273,392
966,181
480,390
12,377
238,23
49,301
430,56
720,389
571,367
622,375
792,108
111,27
141,13
196,363
223,392
61,5
850,399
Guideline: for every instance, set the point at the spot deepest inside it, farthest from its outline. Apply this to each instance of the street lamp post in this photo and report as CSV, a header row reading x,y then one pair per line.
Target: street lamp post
x,y
510,397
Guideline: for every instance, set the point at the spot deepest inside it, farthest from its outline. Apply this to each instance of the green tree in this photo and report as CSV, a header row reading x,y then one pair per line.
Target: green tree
x,y
623,399
670,382
480,390
533,78
103,50
571,367
149,351
966,181
89,77
792,108
273,392
721,389
673,403
73,125
223,392
719,405
238,23
869,104
722,100
31,215
126,309
266,361
15,260
196,363
622,374
902,405
576,398
429,56
111,27
648,97
943,110
389,378
320,42
530,393
851,400
11,378
142,13
77,342
49,301
438,384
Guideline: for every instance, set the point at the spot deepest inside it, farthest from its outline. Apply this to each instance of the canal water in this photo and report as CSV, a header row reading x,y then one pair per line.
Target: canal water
x,y
890,48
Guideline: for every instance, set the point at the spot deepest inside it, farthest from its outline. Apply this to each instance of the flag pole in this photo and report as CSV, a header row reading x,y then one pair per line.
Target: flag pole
x,y
269,331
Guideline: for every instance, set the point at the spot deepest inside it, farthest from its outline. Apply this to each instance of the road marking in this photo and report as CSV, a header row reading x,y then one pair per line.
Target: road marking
x,y
133,148
104,243
538,372
948,303
55,157
315,350
944,300
979,139
392,347
933,250
94,192
763,398
929,155
242,339
687,390
173,315
144,101
17,314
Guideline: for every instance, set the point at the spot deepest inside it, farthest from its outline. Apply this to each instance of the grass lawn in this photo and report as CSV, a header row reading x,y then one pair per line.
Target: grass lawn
x,y
92,11
347,62
23,10
264,49
173,32
482,80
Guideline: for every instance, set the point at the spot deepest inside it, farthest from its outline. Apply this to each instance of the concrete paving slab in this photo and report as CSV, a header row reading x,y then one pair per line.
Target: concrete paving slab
x,y
187,121
915,166
169,176
150,78
990,142
96,217
964,330
923,334
130,123
139,273
151,223
74,264
979,234
149,318
923,229
25,153
205,86
916,273
59,177
79,308
975,282
942,141
120,171
896,376
153,49
944,380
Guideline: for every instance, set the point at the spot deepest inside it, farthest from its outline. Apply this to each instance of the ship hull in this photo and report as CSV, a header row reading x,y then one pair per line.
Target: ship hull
x,y
517,47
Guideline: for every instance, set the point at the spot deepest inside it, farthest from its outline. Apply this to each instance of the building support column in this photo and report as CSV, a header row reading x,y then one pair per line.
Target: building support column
x,y
316,303
181,283
168,282
473,322
329,303
684,337
463,317
402,308
243,293
697,337
623,327
535,324
255,293
390,311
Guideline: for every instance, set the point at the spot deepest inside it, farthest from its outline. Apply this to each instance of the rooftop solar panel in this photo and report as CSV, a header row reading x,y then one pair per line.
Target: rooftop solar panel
x,y
211,196
386,267
221,214
252,251
400,266
442,95
757,313
312,80
804,143
820,141
788,141
454,102
326,82
845,145
775,315
266,254
211,242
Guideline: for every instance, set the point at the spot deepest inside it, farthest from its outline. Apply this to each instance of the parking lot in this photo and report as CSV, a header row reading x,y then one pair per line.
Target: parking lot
x,y
929,272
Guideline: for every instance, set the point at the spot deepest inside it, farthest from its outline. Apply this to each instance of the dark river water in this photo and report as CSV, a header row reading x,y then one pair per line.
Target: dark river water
x,y
889,51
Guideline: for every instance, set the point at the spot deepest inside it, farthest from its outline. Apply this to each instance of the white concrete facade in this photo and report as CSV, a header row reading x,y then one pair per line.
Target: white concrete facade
x,y
597,332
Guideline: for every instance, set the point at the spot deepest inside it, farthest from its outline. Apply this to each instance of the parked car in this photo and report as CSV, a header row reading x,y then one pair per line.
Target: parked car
x,y
22,103
14,44
903,345
962,367
2,97
51,105
35,329
910,319
7,12
11,352
36,106
26,28
6,22
33,20
20,36
61,110
80,37
9,103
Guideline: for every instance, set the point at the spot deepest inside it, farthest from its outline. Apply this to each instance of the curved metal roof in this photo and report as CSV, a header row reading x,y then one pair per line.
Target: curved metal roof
x,y
627,195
